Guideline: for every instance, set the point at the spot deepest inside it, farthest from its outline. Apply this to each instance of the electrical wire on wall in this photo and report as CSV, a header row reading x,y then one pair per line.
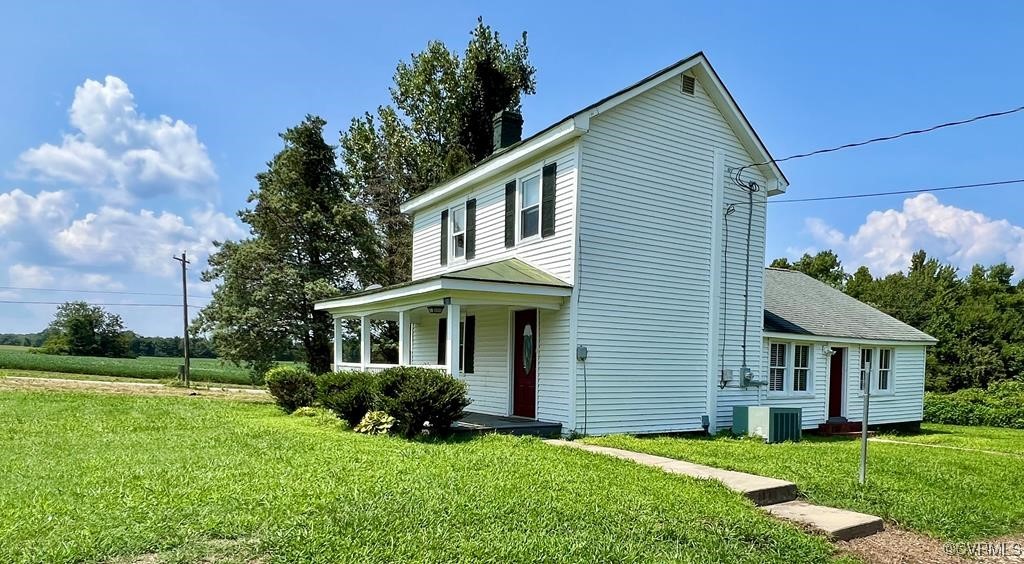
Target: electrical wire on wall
x,y
751,188
723,330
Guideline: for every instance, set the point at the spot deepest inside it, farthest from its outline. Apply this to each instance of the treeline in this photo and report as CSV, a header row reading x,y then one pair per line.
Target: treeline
x,y
978,317
138,345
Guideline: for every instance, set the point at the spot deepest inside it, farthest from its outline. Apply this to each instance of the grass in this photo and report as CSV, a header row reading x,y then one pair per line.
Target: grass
x,y
90,477
995,439
950,494
145,367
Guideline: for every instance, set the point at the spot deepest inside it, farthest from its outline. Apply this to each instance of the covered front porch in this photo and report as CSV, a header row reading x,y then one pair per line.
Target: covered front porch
x,y
482,325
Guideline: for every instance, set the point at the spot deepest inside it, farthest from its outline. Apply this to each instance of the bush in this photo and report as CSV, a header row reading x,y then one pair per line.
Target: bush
x,y
350,394
421,397
375,423
292,387
1001,405
320,416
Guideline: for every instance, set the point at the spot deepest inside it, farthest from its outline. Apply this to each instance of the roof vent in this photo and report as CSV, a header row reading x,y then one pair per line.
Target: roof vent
x,y
689,84
508,129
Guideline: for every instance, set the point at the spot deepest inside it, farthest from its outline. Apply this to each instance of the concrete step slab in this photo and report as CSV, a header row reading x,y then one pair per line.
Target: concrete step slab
x,y
837,524
759,489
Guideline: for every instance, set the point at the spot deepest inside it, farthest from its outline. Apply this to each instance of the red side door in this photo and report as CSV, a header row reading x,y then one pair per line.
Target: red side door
x,y
835,383
524,364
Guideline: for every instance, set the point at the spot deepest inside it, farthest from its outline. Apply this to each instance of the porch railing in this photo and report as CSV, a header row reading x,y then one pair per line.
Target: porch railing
x,y
377,367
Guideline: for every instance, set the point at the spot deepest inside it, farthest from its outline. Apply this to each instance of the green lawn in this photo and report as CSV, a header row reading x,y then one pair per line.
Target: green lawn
x,y
1010,441
950,494
146,367
88,476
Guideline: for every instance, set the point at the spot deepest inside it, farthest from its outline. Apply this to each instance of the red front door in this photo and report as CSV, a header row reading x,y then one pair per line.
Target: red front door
x,y
524,364
835,383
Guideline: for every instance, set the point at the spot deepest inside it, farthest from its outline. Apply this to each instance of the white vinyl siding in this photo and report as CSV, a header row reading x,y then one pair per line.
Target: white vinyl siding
x,y
489,383
646,178
904,404
905,400
553,254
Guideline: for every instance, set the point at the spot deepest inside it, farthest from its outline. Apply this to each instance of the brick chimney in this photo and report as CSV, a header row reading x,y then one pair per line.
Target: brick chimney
x,y
508,129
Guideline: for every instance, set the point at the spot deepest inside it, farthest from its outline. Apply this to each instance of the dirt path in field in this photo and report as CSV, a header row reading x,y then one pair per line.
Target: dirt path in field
x,y
133,388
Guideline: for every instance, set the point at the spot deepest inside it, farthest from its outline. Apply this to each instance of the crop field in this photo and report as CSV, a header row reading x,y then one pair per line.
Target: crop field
x,y
146,367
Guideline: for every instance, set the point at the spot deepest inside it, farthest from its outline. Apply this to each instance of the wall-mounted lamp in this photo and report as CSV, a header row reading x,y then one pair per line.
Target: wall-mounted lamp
x,y
435,309
827,350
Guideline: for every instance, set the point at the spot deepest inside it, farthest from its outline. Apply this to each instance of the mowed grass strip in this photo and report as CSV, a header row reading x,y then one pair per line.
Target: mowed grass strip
x,y
145,367
90,476
949,494
995,439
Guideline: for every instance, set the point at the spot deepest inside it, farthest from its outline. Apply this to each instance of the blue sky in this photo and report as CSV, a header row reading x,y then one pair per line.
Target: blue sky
x,y
97,189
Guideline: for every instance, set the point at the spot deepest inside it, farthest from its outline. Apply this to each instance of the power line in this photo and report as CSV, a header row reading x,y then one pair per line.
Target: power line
x,y
898,192
33,302
115,292
889,137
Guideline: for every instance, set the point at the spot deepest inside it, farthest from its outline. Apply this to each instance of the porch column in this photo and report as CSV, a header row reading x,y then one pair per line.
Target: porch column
x,y
404,338
364,341
339,340
452,344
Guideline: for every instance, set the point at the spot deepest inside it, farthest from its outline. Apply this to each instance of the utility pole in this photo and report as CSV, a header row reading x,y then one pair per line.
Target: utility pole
x,y
864,427
184,310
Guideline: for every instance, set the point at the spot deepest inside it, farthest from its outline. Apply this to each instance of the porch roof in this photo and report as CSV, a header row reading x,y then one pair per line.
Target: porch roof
x,y
487,283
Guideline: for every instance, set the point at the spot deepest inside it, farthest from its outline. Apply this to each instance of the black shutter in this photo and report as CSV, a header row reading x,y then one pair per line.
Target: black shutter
x,y
442,338
510,214
444,237
470,229
470,343
547,200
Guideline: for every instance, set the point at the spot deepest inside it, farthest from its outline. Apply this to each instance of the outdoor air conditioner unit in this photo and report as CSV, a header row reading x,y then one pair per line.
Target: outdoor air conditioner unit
x,y
773,424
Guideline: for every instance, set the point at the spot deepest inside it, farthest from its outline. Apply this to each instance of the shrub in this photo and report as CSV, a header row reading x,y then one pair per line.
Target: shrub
x,y
350,394
421,397
320,416
375,423
292,387
1001,405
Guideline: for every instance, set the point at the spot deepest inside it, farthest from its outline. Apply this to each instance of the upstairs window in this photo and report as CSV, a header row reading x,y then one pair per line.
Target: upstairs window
x,y
529,207
777,368
801,367
458,230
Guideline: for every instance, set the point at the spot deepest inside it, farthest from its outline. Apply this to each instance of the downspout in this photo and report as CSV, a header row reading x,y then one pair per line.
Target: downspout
x,y
715,290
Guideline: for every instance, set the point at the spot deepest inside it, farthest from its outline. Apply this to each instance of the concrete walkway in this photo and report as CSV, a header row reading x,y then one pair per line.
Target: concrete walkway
x,y
777,497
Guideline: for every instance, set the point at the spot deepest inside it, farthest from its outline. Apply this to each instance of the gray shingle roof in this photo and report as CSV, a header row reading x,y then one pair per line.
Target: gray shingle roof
x,y
797,303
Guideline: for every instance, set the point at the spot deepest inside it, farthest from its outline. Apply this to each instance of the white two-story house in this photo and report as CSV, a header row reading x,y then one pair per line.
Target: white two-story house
x,y
606,274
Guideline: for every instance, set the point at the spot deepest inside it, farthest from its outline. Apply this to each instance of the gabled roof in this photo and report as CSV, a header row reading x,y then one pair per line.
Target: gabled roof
x,y
798,304
577,123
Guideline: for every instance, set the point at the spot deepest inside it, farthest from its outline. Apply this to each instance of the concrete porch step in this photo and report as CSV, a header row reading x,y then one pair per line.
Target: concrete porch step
x,y
837,524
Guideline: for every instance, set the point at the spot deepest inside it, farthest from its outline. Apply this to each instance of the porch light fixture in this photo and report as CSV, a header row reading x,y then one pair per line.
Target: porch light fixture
x,y
435,309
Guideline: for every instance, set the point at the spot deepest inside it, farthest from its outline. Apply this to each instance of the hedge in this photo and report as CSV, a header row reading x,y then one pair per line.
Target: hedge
x,y
1001,405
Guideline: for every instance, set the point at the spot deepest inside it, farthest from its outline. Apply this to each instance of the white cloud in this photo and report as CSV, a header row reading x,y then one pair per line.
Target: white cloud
x,y
29,276
119,152
145,240
18,208
887,239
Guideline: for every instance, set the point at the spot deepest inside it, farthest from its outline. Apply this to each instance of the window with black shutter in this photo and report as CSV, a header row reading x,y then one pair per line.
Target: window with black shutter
x,y
444,237
510,214
547,215
470,229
